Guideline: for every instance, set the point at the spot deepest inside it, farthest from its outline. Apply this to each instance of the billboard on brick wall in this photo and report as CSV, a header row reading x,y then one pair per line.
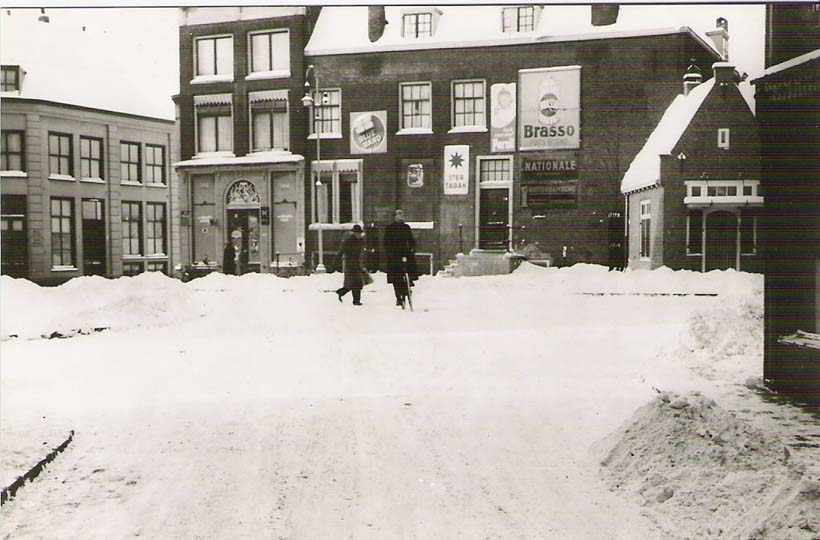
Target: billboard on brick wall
x,y
368,132
549,108
502,119
456,169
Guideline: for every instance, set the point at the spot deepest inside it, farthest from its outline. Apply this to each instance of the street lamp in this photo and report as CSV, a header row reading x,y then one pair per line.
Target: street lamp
x,y
308,102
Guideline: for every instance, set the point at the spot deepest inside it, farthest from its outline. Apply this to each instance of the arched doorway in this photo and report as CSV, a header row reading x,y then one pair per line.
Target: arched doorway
x,y
242,208
721,241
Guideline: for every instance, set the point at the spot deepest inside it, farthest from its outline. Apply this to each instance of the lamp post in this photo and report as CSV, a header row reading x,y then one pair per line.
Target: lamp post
x,y
308,102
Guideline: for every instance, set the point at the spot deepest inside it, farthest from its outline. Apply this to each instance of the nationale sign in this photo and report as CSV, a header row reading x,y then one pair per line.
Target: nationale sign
x,y
457,169
368,132
549,116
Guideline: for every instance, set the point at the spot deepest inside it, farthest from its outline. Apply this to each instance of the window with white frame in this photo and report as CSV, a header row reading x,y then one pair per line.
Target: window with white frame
x,y
416,105
214,56
130,162
214,123
10,79
494,170
60,154
270,51
723,138
416,25
327,112
269,120
91,163
646,229
155,233
338,197
12,151
518,19
694,232
469,105
154,164
62,232
131,228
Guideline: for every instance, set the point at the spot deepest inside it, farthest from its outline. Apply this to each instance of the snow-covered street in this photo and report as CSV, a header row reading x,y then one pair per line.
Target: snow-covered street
x,y
260,407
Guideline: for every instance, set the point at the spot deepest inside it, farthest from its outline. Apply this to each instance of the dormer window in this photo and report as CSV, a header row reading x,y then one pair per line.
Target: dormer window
x,y
11,79
519,19
417,25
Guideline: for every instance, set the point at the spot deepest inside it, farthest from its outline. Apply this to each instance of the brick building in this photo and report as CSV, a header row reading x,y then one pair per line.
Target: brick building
x,y
87,187
693,192
788,105
584,88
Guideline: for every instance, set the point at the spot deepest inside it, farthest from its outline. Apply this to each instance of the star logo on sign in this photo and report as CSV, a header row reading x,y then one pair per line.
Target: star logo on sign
x,y
456,160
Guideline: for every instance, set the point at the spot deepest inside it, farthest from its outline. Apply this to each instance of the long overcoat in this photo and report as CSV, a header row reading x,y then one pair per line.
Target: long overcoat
x,y
398,242
351,258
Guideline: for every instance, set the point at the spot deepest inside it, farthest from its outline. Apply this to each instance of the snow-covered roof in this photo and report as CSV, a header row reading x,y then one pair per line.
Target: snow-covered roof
x,y
480,25
256,158
64,62
645,169
794,62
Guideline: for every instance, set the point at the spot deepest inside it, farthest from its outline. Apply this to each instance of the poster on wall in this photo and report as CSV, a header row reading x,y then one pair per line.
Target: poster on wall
x,y
368,132
415,175
549,116
502,117
456,169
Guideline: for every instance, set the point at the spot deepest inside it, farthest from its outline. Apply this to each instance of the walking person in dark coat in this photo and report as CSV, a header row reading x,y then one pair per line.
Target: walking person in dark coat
x,y
351,258
229,259
399,256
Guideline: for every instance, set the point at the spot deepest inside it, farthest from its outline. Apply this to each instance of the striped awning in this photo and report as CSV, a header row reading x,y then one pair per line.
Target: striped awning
x,y
209,100
268,95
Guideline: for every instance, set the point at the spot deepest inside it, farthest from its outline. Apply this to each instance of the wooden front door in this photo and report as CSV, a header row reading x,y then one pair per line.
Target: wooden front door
x,y
93,237
721,241
494,218
14,235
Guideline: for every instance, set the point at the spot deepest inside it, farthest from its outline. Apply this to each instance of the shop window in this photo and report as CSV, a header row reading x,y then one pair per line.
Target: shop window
x,y
91,161
60,154
327,112
646,229
214,56
12,150
748,232
338,197
154,164
468,103
131,228
130,162
415,104
62,232
694,232
270,52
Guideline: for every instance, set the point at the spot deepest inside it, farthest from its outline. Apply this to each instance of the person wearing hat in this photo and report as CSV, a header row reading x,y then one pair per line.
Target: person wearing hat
x,y
351,258
400,256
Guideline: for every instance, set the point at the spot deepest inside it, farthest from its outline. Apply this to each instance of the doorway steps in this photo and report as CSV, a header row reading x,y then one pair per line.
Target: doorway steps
x,y
481,262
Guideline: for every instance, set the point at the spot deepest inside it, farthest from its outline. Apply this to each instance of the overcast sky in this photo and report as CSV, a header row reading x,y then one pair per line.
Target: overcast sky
x,y
150,35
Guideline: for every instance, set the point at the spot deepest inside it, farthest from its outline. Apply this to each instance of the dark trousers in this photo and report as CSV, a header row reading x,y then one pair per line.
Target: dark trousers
x,y
357,294
400,289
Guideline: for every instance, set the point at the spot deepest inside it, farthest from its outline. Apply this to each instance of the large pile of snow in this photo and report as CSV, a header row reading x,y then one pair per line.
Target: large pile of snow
x,y
691,462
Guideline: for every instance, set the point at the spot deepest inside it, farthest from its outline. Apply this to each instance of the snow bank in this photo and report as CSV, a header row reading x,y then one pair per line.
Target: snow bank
x,y
700,472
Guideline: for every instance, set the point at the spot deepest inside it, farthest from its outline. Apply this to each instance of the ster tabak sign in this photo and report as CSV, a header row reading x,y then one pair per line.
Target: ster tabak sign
x,y
368,132
549,115
456,169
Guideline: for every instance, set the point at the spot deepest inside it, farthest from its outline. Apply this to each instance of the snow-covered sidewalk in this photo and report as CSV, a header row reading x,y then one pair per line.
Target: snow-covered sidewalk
x,y
260,407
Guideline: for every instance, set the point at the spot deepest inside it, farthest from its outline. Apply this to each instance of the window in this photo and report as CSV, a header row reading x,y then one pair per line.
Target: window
x,y
214,56
327,112
154,164
131,268
338,196
12,150
91,157
269,120
270,51
62,232
696,190
416,25
154,266
10,79
416,105
130,164
468,104
694,232
748,191
646,224
748,232
494,170
60,154
214,117
723,138
155,235
131,228
518,19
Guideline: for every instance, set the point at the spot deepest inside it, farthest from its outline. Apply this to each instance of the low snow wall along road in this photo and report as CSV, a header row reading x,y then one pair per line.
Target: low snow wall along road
x,y
10,491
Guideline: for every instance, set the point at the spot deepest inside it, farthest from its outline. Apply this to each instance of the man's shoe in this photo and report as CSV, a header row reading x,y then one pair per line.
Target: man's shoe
x,y
357,303
399,302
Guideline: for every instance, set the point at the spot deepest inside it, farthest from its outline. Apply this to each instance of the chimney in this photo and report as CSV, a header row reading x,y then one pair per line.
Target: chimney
x,y
691,78
604,14
43,17
720,37
725,73
376,22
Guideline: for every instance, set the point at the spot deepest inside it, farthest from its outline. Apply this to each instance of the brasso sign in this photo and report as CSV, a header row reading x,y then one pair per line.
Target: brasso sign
x,y
549,115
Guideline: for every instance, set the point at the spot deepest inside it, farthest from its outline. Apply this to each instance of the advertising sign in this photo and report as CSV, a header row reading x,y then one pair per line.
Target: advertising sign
x,y
368,132
456,169
415,175
502,117
549,116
